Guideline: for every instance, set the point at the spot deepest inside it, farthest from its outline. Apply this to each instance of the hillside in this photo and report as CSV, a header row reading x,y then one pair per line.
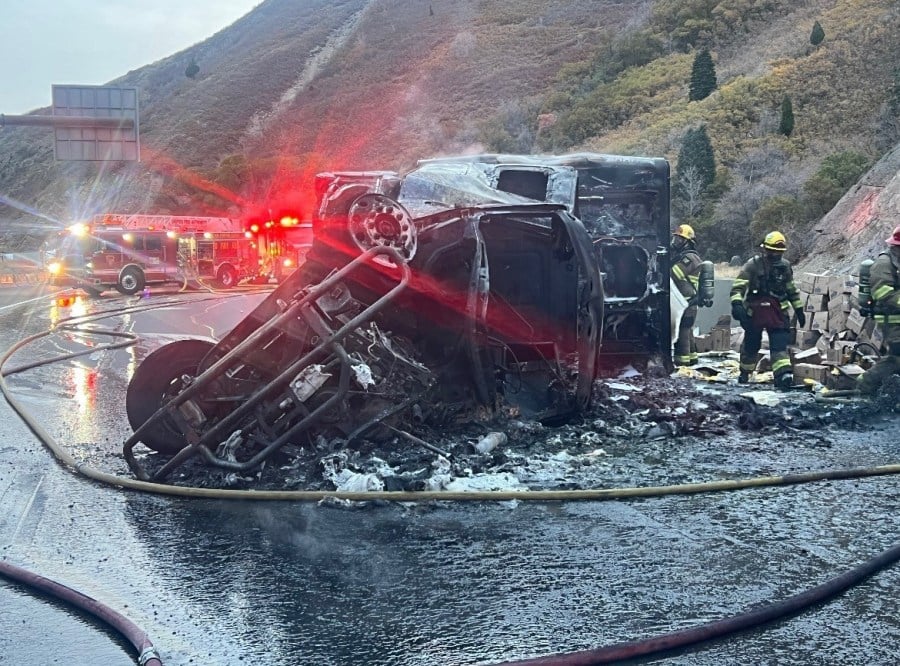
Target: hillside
x,y
295,88
858,225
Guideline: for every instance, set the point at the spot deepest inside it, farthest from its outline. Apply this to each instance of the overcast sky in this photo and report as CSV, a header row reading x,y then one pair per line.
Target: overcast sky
x,y
91,42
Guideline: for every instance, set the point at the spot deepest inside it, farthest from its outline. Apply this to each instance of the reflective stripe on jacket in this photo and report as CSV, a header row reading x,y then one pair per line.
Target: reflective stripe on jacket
x,y
759,278
885,288
686,273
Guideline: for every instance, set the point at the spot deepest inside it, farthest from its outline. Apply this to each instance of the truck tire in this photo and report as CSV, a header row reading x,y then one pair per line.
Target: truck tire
x,y
226,276
157,379
131,281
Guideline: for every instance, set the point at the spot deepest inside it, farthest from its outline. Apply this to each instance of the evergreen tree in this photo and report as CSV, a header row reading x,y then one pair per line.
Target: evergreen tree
x,y
192,70
696,153
817,34
894,94
703,76
786,126
694,173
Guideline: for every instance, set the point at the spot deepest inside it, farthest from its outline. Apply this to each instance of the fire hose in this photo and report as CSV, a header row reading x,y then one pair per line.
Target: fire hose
x,y
65,459
147,654
610,654
720,628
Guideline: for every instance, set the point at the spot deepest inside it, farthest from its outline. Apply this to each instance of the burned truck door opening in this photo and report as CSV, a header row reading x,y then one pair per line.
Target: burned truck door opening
x,y
623,202
533,312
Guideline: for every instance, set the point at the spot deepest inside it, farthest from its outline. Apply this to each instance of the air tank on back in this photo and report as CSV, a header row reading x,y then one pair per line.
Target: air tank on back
x,y
706,289
865,289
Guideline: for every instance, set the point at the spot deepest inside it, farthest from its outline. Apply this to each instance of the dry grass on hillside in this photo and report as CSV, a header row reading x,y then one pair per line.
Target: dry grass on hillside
x,y
727,271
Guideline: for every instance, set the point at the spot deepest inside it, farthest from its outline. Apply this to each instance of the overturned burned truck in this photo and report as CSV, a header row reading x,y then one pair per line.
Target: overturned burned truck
x,y
465,289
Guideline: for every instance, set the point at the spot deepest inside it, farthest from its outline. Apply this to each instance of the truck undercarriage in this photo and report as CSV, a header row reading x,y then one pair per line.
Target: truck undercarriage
x,y
425,302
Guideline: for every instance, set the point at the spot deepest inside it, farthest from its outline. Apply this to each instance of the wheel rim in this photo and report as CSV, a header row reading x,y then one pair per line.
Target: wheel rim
x,y
129,281
378,221
157,379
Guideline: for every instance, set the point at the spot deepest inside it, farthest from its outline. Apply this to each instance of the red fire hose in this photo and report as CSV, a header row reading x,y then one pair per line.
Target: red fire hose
x,y
718,629
147,655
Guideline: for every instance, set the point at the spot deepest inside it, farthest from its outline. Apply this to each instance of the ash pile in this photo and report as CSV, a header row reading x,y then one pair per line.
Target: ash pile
x,y
641,429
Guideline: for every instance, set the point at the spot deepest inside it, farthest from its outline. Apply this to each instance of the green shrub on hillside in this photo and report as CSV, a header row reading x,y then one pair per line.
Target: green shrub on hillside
x,y
693,23
838,173
780,213
635,91
630,50
512,131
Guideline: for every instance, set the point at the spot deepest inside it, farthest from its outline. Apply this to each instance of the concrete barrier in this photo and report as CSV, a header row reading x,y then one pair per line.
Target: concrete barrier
x,y
707,317
23,278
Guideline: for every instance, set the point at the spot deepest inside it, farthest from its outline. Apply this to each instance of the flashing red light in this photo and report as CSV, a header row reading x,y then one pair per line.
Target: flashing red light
x,y
254,228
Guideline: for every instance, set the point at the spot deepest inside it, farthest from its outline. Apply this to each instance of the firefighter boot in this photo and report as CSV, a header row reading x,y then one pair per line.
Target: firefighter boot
x,y
785,381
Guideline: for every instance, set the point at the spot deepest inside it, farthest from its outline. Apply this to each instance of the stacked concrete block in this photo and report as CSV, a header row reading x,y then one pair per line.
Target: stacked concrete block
x,y
718,339
827,348
828,302
812,371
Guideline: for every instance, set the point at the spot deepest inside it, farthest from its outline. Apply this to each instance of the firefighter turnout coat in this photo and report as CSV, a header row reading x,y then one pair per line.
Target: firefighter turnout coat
x,y
885,279
686,275
767,290
759,279
886,288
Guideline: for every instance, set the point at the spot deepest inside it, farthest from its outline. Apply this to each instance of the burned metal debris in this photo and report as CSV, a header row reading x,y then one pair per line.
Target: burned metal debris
x,y
639,430
468,290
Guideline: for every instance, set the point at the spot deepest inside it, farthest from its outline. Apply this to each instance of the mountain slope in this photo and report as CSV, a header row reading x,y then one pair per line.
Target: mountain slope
x,y
294,88
858,225
338,84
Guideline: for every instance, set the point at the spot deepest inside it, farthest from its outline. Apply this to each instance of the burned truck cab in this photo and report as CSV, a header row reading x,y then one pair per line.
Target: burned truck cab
x,y
425,301
623,203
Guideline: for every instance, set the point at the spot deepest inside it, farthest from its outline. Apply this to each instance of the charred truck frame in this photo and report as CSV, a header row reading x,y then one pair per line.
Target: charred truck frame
x,y
467,288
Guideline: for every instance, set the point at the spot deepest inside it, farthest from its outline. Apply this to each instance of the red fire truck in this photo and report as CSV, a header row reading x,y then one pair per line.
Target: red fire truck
x,y
127,252
282,245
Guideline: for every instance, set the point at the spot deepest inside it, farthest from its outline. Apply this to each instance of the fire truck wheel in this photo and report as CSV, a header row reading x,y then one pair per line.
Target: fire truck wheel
x,y
158,378
226,277
131,281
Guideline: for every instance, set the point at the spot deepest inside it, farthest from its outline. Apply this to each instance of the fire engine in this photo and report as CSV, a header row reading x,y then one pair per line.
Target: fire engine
x,y
283,245
128,252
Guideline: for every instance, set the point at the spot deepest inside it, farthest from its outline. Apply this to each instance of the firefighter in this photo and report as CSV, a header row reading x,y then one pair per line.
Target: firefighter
x,y
686,275
760,297
885,282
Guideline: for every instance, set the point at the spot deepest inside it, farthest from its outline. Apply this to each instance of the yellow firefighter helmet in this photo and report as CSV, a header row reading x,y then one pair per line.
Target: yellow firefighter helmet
x,y
774,240
686,231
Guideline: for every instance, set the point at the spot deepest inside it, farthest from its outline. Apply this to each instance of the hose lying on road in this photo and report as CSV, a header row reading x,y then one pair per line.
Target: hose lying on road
x,y
147,655
667,642
718,629
66,459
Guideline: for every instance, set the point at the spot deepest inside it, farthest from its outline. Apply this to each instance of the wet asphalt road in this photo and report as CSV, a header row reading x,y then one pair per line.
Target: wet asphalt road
x,y
224,582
